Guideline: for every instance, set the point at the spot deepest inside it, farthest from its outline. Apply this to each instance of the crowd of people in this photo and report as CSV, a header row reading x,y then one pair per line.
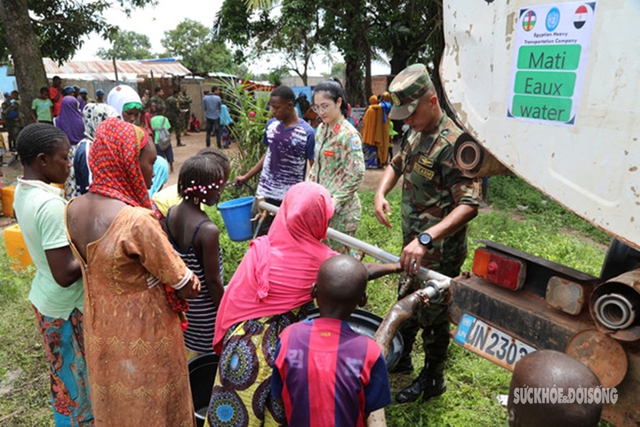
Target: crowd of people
x,y
128,280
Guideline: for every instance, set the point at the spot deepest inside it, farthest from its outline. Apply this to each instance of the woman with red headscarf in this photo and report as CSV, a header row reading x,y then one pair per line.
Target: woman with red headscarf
x,y
270,290
134,346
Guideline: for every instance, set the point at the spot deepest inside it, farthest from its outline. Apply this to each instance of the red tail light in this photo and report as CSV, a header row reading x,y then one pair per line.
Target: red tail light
x,y
501,269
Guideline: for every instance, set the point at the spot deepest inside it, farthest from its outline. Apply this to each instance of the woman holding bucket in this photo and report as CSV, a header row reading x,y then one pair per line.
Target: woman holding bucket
x,y
269,291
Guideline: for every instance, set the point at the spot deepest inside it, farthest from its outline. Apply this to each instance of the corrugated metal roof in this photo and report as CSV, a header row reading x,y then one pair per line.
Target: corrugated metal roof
x,y
103,70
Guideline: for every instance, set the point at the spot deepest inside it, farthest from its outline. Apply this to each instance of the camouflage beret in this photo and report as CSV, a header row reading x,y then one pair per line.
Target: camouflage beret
x,y
406,90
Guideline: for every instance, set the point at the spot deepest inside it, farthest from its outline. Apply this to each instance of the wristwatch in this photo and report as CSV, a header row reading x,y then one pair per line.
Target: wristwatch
x,y
425,240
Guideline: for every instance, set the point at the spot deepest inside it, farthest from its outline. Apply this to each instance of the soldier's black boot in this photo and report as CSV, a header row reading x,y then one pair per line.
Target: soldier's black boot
x,y
428,384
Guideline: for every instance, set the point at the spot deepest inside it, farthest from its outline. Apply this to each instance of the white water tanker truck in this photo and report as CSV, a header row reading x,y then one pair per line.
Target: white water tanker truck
x,y
551,90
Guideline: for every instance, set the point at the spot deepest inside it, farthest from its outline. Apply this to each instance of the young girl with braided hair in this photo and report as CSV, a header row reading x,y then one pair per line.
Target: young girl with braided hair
x,y
57,290
196,239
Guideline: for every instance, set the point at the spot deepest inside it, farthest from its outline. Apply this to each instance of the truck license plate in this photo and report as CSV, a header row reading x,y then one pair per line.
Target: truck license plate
x,y
490,342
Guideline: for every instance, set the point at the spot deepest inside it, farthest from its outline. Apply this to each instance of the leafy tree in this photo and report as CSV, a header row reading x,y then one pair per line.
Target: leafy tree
x,y
337,70
127,45
347,24
295,33
194,45
275,76
409,31
53,28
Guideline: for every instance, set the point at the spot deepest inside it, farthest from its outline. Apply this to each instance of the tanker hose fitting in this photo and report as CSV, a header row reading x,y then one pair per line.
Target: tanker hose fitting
x,y
614,311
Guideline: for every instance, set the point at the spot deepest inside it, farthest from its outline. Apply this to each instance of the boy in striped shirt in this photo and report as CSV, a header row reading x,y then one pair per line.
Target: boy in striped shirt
x,y
325,373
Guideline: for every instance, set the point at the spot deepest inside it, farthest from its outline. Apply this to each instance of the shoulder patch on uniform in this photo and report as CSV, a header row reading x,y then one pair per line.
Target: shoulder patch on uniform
x,y
356,144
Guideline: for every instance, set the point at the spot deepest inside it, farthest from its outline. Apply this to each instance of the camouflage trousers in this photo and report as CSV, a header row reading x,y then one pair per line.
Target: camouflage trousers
x,y
432,319
177,125
13,129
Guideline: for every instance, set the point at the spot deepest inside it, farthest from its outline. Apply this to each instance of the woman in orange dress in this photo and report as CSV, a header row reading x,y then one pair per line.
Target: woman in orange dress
x,y
134,346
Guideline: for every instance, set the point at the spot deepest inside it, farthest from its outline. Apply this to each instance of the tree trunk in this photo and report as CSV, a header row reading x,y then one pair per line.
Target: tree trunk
x,y
399,60
25,49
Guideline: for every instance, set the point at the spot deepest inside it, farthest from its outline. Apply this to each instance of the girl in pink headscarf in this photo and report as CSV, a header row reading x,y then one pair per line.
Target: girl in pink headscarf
x,y
270,290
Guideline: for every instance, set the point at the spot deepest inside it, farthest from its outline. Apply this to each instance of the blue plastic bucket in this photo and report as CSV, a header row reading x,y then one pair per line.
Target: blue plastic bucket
x,y
236,215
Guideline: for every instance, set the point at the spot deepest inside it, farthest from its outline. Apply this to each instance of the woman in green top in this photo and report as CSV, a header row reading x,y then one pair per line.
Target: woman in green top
x,y
57,290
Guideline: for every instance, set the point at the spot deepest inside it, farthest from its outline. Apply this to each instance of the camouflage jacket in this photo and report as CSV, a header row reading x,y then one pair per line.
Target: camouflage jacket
x,y
432,188
172,109
339,167
184,101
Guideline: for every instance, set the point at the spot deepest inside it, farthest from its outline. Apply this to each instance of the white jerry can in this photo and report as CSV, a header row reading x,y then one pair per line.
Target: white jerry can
x,y
552,90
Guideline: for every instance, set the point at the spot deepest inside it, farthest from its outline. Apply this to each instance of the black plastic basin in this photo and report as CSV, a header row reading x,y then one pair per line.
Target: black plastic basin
x,y
202,373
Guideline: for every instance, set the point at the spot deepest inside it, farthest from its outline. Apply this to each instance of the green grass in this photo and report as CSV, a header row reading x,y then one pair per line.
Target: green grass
x,y
21,354
473,382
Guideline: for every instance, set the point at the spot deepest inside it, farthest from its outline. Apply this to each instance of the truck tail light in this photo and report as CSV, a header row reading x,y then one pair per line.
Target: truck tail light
x,y
501,269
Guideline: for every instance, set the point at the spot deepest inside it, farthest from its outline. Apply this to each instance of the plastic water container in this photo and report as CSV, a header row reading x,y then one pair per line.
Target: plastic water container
x,y
16,248
236,215
202,373
7,201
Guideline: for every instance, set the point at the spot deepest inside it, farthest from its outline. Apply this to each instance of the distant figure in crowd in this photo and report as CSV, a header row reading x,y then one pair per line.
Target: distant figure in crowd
x,y
126,101
547,369
82,98
194,124
70,122
100,96
157,98
290,145
135,284
175,116
55,93
42,107
211,104
92,116
226,122
196,239
56,291
158,122
184,102
69,119
146,96
339,165
372,132
356,383
12,121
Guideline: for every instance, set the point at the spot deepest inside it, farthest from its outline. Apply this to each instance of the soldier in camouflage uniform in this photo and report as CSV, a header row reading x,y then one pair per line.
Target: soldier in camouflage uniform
x,y
174,114
184,102
12,122
437,204
339,163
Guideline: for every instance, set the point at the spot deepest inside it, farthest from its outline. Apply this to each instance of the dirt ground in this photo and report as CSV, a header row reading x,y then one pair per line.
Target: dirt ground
x,y
194,143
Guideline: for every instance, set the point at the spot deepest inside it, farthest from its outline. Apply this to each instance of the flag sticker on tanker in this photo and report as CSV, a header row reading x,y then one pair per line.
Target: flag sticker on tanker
x,y
549,62
580,17
529,20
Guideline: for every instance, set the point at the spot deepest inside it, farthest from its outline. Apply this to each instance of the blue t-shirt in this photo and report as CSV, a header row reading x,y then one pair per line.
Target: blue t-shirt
x,y
211,105
286,161
326,371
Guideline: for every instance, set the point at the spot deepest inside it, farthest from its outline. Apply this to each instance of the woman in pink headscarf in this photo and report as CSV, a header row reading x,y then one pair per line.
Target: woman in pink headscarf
x,y
270,290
